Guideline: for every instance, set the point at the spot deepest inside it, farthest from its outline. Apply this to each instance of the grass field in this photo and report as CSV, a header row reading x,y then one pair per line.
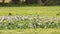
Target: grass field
x,y
50,10
47,10
31,31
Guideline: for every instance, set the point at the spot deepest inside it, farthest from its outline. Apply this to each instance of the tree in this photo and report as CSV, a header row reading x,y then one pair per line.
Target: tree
x,y
31,1
52,2
15,1
40,2
3,1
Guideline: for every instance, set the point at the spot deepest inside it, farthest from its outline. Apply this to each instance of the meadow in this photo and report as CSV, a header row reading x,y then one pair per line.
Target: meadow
x,y
40,10
31,31
31,10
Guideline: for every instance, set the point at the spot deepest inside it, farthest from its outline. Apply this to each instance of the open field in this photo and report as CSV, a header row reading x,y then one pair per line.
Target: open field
x,y
31,31
50,10
42,10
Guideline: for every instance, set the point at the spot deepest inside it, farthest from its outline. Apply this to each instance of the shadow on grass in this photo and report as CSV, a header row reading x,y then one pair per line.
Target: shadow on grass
x,y
17,5
22,5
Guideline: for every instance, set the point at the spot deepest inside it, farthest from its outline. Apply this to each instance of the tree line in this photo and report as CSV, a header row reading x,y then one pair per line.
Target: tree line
x,y
40,2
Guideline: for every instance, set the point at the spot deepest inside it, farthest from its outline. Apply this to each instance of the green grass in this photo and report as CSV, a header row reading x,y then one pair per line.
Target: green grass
x,y
40,10
31,31
50,10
